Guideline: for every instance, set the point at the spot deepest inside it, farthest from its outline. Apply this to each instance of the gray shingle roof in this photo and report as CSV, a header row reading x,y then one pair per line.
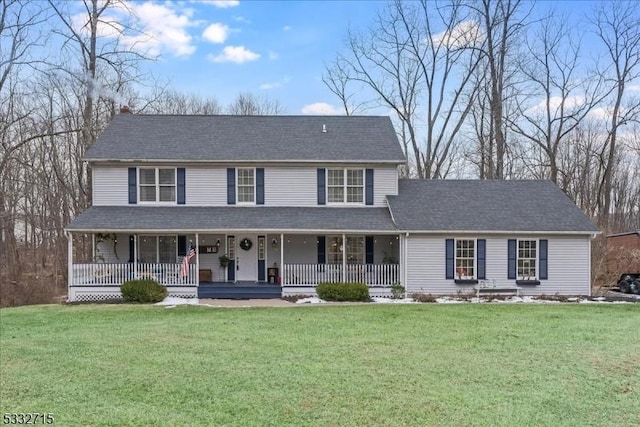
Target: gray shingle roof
x,y
248,138
191,218
475,205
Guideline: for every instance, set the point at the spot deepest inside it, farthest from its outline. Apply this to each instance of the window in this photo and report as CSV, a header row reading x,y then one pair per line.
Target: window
x,y
527,258
354,250
465,259
345,185
246,185
157,185
158,249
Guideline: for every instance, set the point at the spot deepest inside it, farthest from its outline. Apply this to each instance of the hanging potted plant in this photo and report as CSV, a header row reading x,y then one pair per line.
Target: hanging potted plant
x,y
224,261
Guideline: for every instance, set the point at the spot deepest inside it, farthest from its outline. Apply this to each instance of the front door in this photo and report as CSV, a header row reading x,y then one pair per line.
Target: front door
x,y
247,258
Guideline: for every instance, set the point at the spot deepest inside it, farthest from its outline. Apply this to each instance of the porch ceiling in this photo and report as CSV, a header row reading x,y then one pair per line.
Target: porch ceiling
x,y
259,218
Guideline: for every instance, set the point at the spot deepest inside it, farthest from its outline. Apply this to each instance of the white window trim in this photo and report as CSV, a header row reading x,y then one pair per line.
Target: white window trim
x,y
344,248
345,186
157,239
238,202
537,259
475,259
157,180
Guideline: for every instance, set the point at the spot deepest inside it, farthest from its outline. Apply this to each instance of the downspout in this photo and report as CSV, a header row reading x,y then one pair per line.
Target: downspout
x,y
405,264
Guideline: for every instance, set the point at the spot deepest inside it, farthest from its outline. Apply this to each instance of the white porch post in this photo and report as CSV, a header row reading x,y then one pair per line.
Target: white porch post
x,y
135,256
344,257
93,246
281,258
197,261
69,259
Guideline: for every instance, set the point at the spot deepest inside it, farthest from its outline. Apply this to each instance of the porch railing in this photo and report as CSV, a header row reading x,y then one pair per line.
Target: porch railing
x,y
312,274
116,274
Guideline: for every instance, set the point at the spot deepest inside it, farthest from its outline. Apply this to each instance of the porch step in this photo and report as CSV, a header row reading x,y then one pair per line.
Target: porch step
x,y
239,292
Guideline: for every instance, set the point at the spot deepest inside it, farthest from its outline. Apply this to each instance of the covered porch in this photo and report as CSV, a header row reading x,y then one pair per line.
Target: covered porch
x,y
187,259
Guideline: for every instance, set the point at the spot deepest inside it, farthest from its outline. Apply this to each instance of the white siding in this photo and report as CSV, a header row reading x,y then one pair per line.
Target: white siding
x,y
290,186
110,186
111,252
385,183
206,186
568,265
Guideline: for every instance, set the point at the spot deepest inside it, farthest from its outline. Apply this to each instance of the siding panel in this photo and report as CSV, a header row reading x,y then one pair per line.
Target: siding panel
x,y
110,186
568,265
385,183
291,186
206,186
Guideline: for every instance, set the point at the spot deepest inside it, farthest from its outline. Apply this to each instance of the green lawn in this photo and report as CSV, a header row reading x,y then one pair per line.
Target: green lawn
x,y
426,364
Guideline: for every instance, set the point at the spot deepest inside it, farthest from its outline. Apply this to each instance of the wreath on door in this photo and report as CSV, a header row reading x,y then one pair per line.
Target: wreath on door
x,y
245,244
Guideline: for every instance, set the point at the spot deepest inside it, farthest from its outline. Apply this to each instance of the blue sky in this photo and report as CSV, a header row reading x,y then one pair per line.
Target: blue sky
x,y
276,49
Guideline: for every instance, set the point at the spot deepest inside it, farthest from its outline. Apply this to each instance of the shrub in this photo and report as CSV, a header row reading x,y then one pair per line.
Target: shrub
x,y
423,298
143,291
343,291
397,291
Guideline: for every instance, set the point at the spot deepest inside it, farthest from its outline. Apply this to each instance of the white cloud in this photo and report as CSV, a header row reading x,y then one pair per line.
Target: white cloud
x,y
216,33
555,102
466,33
242,19
286,28
321,109
237,54
162,27
275,85
273,55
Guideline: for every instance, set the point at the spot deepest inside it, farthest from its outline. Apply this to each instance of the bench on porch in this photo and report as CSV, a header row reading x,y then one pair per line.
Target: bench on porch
x,y
490,287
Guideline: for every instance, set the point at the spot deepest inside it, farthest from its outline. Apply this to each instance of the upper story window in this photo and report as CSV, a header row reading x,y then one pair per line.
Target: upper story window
x,y
157,184
465,259
527,259
246,185
345,185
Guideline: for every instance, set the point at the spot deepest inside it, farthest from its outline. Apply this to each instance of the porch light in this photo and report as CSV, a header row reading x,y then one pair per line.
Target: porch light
x,y
274,243
218,242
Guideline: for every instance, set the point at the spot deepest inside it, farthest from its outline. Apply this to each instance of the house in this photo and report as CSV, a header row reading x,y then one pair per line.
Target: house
x,y
292,201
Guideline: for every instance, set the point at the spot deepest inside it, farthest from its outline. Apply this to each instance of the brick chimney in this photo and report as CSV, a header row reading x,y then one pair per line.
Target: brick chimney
x,y
125,110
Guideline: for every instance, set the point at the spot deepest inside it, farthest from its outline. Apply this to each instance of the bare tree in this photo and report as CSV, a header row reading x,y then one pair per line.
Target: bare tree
x,y
248,104
617,25
562,97
501,21
417,59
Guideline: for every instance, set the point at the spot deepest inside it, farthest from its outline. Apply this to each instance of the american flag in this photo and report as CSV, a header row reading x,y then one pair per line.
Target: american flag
x,y
185,261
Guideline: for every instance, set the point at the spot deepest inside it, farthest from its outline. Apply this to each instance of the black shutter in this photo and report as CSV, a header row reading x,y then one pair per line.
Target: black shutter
x,y
133,186
368,249
182,245
544,264
322,257
259,186
132,248
181,186
511,259
482,258
449,259
368,186
231,186
322,193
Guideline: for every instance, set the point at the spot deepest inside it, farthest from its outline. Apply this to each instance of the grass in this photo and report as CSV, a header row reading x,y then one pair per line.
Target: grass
x,y
494,365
